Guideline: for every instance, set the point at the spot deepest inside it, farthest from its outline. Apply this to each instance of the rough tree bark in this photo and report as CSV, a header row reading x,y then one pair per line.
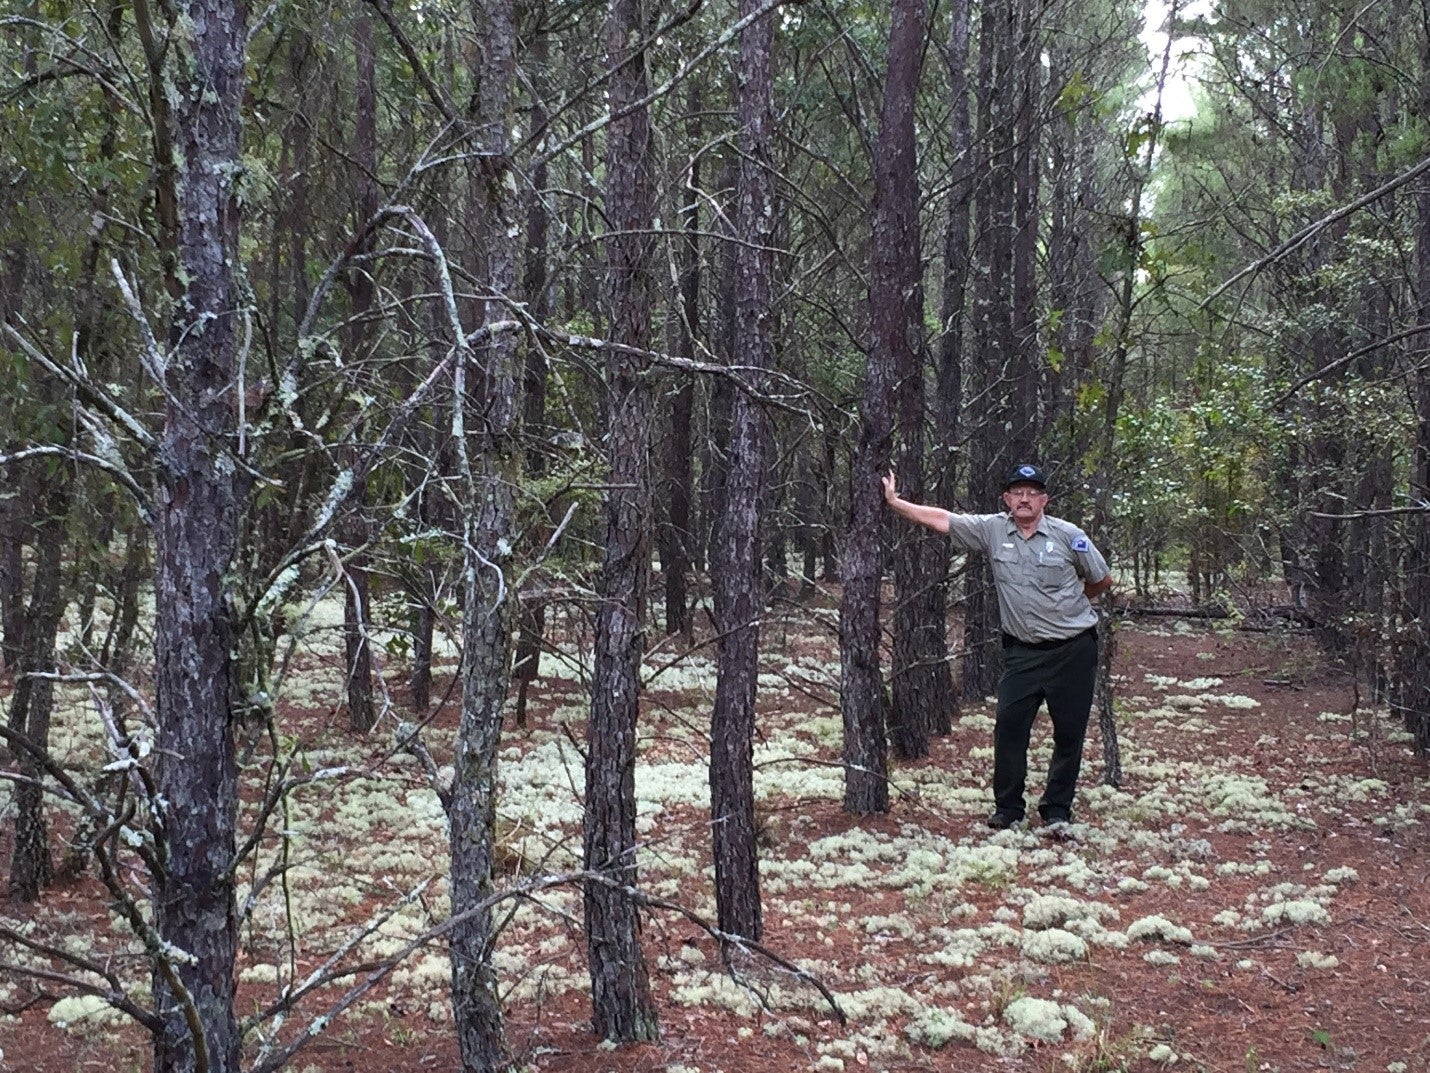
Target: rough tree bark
x,y
531,621
1413,686
196,91
896,338
14,509
620,984
357,648
735,564
487,410
892,290
676,535
991,326
956,252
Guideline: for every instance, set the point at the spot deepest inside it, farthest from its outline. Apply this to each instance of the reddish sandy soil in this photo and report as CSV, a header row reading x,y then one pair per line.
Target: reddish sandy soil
x,y
1270,1013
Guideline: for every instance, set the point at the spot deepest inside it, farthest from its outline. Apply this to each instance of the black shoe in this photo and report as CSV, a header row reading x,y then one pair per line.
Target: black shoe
x,y
1057,826
1002,820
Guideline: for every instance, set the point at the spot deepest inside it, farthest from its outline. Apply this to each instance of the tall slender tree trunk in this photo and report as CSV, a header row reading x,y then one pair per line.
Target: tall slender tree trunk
x,y
896,337
14,509
993,380
531,622
1413,685
620,984
1073,284
956,252
362,712
735,566
201,74
488,405
676,535
895,371
715,464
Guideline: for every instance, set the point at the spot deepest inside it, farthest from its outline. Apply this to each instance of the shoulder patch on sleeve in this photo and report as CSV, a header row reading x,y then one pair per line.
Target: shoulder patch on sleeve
x,y
1081,544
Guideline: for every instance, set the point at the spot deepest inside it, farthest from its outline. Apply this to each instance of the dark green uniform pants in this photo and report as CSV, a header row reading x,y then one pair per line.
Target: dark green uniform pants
x,y
1062,673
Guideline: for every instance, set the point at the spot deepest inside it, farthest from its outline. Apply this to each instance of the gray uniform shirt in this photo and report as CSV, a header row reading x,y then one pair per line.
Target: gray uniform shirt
x,y
1039,578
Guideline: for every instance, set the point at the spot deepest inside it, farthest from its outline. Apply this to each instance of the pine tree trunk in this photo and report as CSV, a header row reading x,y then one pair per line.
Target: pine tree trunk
x,y
199,158
357,649
1413,679
531,622
896,330
620,985
735,566
992,325
676,534
488,463
948,422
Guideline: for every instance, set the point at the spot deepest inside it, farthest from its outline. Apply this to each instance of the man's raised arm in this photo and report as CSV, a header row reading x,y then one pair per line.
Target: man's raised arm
x,y
936,518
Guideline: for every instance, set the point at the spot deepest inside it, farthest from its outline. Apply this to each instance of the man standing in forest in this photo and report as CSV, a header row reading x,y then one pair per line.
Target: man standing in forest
x,y
1047,573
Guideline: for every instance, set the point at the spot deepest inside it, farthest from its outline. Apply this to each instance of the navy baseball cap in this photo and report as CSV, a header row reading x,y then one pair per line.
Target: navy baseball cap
x,y
1025,474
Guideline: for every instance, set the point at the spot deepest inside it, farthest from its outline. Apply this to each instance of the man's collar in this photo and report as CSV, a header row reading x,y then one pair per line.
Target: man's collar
x,y
1012,526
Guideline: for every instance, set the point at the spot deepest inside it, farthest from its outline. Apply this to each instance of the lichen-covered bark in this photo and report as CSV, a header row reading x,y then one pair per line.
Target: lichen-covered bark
x,y
620,984
199,488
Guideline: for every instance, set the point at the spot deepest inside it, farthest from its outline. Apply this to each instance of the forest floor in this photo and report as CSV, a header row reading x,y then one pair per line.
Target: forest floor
x,y
1254,897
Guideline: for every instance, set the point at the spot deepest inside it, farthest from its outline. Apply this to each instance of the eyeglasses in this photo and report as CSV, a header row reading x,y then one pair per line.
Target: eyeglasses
x,y
1029,493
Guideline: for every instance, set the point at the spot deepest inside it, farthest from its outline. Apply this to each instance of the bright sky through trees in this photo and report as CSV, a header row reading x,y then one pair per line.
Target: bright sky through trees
x,y
1178,99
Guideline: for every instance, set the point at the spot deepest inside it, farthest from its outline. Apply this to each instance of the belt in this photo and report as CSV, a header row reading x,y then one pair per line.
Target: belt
x,y
1009,641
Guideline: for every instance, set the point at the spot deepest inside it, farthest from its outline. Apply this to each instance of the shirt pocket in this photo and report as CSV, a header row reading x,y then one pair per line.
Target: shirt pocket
x,y
1007,565
1055,577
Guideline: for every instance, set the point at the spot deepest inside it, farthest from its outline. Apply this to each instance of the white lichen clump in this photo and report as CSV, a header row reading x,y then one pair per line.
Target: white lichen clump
x,y
1053,946
1043,1019
84,1012
1299,911
936,1027
1159,927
